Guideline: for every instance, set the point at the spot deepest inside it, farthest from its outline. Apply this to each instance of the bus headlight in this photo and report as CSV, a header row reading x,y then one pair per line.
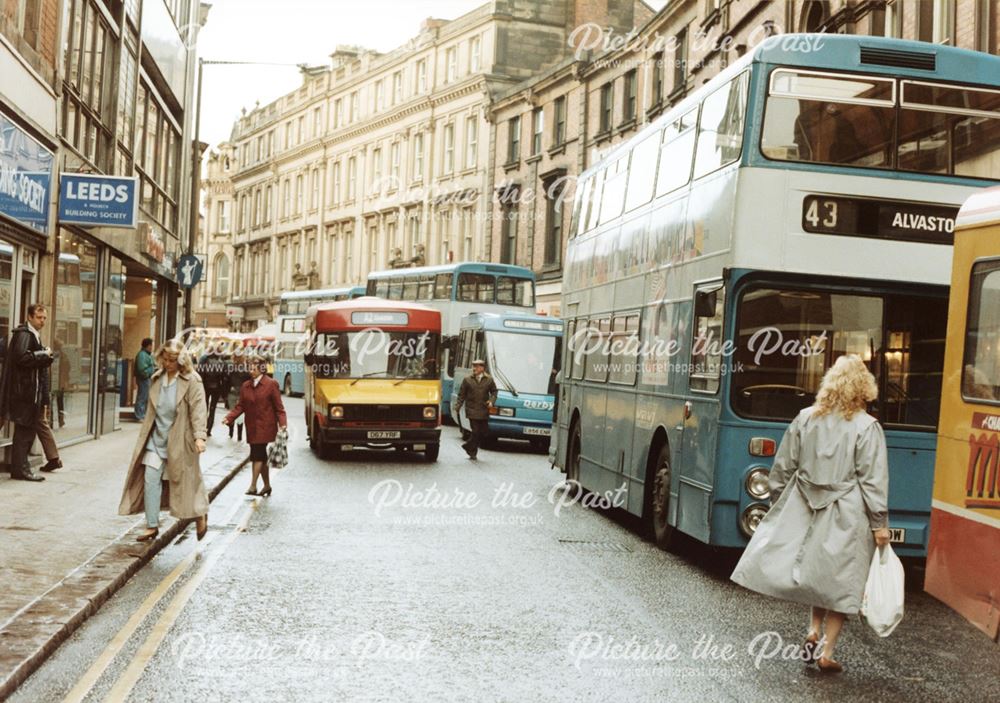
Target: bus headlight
x,y
505,412
430,412
751,517
336,412
756,483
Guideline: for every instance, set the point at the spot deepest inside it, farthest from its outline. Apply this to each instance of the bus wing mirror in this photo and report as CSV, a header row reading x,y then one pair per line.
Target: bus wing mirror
x,y
705,302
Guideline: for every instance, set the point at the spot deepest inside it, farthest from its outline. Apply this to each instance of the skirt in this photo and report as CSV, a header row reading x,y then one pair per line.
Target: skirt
x,y
258,452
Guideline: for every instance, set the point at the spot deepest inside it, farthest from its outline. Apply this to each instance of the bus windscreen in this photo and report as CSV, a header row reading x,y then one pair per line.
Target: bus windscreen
x,y
375,353
526,362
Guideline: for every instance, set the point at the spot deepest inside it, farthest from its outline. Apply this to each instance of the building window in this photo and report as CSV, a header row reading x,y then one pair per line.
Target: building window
x,y
448,166
355,106
471,142
559,127
656,80
376,182
607,95
157,157
379,95
126,107
628,96
337,114
508,237
317,123
397,87
680,63
451,62
300,134
288,134
538,125
335,185
514,139
418,156
243,212
286,198
223,211
944,21
422,76
475,54
268,197
256,209
88,113
352,177
394,164
986,27
220,270
314,195
300,194
554,191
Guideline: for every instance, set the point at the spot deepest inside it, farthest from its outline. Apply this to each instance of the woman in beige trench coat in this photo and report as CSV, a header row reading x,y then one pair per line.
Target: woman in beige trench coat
x,y
166,455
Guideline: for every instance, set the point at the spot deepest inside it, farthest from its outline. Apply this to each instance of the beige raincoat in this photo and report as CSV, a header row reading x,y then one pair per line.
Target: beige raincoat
x,y
184,493
829,490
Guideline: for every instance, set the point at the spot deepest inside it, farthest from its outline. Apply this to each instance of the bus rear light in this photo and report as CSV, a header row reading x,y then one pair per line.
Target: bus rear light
x,y
751,518
762,446
430,412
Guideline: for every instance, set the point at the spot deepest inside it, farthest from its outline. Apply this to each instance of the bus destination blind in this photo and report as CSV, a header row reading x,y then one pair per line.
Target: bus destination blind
x,y
880,219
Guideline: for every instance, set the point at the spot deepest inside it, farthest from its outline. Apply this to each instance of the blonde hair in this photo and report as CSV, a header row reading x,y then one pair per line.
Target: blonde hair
x,y
175,346
847,387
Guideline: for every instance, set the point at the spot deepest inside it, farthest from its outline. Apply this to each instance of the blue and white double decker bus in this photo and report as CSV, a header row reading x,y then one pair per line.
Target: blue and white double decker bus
x,y
523,353
457,290
289,370
797,207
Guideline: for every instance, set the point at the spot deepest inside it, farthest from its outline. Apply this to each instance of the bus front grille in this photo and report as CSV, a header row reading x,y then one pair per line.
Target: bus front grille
x,y
383,413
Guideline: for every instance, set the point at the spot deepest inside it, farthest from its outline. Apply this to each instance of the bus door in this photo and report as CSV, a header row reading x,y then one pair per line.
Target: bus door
x,y
619,416
699,437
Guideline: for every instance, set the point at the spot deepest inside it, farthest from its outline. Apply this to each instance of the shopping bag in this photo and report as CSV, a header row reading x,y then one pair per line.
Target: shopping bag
x,y
882,604
277,453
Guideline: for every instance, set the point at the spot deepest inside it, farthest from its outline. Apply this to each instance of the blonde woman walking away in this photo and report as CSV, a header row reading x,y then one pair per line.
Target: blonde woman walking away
x,y
170,442
829,495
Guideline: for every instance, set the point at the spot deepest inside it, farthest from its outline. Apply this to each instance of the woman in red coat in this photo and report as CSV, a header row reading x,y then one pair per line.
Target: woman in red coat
x,y
260,403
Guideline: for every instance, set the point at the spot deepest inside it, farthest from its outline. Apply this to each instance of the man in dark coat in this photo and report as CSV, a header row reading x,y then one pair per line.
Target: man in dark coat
x,y
26,388
214,372
477,394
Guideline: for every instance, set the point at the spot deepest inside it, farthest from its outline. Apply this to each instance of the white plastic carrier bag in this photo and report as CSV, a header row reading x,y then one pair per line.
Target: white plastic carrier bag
x,y
882,605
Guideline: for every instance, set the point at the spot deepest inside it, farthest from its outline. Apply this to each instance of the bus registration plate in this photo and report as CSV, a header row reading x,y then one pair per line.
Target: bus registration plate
x,y
384,434
897,534
541,431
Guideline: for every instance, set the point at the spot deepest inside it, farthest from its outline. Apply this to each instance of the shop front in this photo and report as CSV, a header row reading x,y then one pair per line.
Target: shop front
x,y
113,289
25,194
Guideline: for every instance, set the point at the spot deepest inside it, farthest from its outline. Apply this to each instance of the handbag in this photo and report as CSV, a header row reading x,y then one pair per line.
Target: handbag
x,y
882,604
277,453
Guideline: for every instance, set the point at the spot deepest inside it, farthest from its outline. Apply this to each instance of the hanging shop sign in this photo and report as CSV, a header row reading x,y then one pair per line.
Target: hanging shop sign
x,y
25,177
98,201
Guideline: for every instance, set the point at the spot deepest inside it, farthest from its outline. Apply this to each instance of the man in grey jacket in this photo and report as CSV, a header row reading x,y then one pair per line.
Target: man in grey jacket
x,y
477,394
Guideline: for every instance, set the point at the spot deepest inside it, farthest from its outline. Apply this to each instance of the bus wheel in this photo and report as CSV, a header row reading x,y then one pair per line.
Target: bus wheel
x,y
432,451
662,531
288,386
573,463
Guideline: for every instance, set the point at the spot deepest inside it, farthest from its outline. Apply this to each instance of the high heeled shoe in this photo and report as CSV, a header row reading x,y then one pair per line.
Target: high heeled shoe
x,y
146,536
829,666
265,492
251,492
810,649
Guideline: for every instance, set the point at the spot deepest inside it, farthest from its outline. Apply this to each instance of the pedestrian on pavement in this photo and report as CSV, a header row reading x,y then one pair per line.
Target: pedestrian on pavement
x,y
829,489
25,396
215,376
477,394
238,375
143,370
260,403
170,441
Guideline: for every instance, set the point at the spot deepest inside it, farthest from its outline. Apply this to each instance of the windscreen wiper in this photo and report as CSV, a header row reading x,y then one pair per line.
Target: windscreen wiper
x,y
503,378
367,375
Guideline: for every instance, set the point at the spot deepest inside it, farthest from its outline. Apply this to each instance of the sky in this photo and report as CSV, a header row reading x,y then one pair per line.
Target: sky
x,y
295,32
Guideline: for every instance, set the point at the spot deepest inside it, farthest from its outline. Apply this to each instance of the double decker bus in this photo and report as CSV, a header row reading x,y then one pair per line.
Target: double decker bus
x,y
457,290
288,368
523,354
372,377
797,207
963,559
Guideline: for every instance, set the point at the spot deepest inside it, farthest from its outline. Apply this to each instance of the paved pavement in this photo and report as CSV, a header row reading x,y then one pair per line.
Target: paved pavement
x,y
384,578
65,549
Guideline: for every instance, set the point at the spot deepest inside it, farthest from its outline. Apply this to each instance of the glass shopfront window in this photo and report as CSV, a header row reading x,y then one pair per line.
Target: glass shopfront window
x,y
6,306
73,336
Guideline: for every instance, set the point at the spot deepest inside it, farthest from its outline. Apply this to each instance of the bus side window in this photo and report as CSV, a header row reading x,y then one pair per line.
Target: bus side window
x,y
371,288
597,350
720,127
577,349
442,286
426,288
706,346
382,288
981,368
624,357
410,288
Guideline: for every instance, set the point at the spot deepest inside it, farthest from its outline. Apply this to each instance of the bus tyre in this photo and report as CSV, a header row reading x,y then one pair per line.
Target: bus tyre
x,y
662,532
432,451
574,489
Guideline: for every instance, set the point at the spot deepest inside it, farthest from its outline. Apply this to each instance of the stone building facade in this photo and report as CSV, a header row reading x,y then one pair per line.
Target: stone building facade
x,y
381,160
215,240
603,97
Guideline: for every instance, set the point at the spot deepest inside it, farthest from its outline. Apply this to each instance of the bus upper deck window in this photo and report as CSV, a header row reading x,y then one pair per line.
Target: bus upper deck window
x,y
442,286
